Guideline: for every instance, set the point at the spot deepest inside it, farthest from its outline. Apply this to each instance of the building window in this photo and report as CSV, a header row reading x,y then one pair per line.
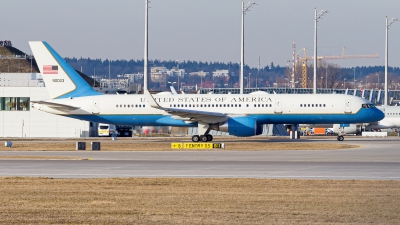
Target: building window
x,y
14,103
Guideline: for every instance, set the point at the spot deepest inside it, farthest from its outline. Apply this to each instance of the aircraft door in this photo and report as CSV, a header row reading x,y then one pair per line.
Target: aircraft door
x,y
95,106
278,105
347,106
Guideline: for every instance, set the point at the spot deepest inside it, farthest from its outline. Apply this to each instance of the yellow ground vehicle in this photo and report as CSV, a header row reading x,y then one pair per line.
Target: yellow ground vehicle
x,y
107,130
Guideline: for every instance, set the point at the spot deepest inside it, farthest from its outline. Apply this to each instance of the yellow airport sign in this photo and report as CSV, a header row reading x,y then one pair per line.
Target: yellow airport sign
x,y
176,145
194,145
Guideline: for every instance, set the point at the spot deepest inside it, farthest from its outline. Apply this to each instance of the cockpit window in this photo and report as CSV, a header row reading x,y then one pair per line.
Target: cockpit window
x,y
367,106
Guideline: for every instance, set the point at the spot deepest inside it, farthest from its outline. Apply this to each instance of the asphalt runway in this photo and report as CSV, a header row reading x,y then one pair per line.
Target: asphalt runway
x,y
376,159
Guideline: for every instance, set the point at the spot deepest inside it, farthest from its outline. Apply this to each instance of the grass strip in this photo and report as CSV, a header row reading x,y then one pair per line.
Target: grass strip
x,y
197,201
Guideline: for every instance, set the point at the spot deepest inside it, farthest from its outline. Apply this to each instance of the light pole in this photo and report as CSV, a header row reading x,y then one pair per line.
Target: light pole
x,y
244,10
378,81
366,82
287,83
326,76
386,58
249,81
322,81
354,79
178,73
317,16
109,69
344,83
146,46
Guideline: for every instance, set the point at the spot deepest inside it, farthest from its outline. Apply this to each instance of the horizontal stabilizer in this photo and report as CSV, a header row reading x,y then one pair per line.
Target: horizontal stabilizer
x,y
57,106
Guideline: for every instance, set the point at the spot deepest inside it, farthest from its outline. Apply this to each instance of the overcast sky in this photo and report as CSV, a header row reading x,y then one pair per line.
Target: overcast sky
x,y
204,30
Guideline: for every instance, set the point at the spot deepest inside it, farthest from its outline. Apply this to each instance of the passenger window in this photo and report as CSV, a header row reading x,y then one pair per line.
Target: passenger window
x,y
117,106
255,105
308,105
247,105
301,105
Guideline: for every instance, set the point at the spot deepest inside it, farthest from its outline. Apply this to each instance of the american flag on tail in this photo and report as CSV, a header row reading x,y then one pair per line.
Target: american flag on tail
x,y
49,69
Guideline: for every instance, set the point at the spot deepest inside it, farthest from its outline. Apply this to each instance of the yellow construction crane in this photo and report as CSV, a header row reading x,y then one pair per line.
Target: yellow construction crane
x,y
304,59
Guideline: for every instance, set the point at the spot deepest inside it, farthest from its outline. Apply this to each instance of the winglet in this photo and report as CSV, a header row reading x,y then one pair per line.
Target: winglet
x,y
151,100
173,90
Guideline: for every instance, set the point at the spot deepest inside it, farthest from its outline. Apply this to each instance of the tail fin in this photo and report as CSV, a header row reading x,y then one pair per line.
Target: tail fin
x,y
61,80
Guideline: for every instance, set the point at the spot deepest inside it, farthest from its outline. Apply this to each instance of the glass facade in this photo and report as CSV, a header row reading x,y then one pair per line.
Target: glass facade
x,y
14,103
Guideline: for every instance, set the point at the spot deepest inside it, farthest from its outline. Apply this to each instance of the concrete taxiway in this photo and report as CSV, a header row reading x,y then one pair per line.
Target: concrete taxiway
x,y
376,159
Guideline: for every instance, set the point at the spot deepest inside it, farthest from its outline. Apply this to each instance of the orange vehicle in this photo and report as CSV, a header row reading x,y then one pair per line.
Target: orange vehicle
x,y
319,131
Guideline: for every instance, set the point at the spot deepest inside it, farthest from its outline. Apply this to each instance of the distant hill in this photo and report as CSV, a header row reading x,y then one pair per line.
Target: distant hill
x,y
15,61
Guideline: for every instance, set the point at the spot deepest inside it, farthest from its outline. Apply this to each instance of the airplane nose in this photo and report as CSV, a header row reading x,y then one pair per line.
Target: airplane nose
x,y
379,114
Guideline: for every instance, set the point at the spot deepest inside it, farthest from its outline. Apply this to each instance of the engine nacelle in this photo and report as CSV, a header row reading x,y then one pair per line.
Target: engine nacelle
x,y
348,129
244,126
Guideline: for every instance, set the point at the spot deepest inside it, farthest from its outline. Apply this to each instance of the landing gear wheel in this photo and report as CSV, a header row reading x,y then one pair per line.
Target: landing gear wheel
x,y
340,138
195,138
209,137
203,138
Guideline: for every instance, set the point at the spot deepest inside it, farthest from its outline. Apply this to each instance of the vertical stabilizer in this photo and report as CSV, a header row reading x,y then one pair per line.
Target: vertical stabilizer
x,y
61,80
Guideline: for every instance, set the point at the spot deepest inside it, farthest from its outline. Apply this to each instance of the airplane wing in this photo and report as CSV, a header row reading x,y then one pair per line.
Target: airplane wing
x,y
57,106
185,114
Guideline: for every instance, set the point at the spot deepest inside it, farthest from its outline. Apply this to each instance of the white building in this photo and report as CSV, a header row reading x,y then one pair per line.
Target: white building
x,y
175,72
132,76
18,119
199,73
221,73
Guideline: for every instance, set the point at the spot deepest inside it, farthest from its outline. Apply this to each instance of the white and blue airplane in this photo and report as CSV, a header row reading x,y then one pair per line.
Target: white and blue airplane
x,y
244,114
391,121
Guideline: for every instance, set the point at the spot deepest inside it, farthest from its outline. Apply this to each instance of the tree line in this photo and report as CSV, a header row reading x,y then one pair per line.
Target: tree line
x,y
330,76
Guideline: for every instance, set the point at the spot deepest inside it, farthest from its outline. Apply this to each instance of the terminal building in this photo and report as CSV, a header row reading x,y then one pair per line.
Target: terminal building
x,y
17,119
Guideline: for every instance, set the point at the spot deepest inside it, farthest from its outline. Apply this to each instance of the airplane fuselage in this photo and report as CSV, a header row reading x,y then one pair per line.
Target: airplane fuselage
x,y
267,108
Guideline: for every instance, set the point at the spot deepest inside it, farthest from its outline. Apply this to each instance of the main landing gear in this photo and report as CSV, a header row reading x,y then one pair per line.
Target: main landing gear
x,y
340,138
203,138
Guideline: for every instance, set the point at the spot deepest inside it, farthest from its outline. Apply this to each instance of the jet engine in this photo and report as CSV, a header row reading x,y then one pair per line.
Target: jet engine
x,y
244,126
